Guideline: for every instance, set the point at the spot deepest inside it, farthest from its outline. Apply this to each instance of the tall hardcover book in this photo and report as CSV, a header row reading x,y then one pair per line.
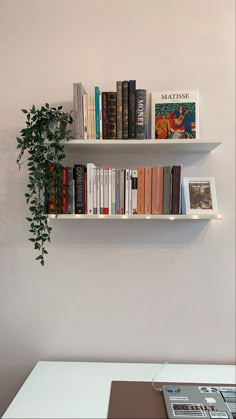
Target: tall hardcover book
x,y
106,191
119,109
85,115
117,193
175,114
69,190
111,102
166,189
176,190
79,185
122,191
97,111
125,109
104,116
132,109
157,190
90,187
141,114
78,92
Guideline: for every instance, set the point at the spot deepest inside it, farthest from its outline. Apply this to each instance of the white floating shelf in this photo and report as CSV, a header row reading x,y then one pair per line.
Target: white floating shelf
x,y
167,217
141,146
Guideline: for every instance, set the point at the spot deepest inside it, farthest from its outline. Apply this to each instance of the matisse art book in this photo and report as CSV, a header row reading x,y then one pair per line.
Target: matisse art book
x,y
175,115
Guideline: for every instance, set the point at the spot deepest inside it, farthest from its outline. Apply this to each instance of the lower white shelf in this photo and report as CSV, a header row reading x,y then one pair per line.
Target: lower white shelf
x,y
170,217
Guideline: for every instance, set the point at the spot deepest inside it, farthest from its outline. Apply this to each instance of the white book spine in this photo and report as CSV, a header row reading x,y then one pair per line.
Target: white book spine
x,y
130,191
101,192
122,192
113,190
109,189
98,189
134,197
95,211
90,167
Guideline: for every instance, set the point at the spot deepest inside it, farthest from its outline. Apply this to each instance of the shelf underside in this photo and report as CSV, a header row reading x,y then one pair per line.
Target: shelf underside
x,y
162,217
142,146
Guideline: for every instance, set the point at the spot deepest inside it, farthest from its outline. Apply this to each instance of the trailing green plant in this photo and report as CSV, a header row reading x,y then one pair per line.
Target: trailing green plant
x,y
42,140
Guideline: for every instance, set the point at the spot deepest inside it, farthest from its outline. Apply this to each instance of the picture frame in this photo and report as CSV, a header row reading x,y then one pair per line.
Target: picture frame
x,y
175,115
199,195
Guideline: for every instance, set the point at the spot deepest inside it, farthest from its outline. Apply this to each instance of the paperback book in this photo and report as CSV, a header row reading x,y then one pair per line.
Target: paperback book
x,y
175,115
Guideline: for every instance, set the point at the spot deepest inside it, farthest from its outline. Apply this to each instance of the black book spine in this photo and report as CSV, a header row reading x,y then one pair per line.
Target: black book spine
x,y
141,114
104,116
131,104
125,109
79,171
111,99
69,190
175,195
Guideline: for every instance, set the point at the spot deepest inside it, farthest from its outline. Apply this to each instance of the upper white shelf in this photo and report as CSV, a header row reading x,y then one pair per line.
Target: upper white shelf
x,y
142,146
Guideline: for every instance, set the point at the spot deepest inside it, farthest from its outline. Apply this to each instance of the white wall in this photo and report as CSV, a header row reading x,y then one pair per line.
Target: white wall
x,y
120,291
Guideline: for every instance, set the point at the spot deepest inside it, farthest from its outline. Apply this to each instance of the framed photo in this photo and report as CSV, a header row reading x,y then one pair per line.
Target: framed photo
x,y
199,195
175,115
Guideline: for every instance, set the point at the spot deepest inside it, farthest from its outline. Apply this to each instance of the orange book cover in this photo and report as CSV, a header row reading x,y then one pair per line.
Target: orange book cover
x,y
157,190
148,190
141,190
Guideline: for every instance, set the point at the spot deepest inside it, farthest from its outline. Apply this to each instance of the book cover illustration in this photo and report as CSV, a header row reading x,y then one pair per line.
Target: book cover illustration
x,y
175,115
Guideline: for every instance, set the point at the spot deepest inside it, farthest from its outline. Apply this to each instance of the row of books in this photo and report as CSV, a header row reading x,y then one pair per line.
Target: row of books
x,y
88,189
119,114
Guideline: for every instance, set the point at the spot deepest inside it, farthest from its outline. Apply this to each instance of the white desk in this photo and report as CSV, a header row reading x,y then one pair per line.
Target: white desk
x,y
82,389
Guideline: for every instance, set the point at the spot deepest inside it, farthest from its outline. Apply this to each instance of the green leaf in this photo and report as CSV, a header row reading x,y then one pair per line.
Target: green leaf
x,y
24,110
42,262
32,240
29,219
39,257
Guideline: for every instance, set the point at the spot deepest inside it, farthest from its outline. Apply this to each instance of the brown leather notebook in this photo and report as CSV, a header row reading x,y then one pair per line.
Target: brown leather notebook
x,y
139,400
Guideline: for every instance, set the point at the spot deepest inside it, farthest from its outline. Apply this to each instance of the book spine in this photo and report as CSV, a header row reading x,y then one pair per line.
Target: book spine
x,y
109,190
134,191
97,112
76,110
81,91
79,171
148,190
127,181
85,107
157,190
125,109
113,191
85,193
166,189
69,191
101,191
175,195
122,192
100,115
95,209
141,190
93,118
63,191
105,192
111,99
131,105
130,192
117,211
141,114
90,187
104,116
119,109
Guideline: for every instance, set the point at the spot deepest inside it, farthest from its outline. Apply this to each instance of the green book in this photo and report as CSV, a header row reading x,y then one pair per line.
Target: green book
x,y
166,189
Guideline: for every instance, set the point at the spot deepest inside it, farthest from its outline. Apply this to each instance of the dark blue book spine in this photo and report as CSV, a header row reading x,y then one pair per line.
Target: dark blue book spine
x,y
69,190
79,186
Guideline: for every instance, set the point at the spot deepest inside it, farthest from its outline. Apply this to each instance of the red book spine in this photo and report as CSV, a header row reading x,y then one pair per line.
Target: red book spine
x,y
63,191
52,202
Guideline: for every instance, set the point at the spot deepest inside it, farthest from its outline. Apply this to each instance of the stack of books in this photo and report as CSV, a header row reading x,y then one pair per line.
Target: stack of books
x,y
119,114
88,189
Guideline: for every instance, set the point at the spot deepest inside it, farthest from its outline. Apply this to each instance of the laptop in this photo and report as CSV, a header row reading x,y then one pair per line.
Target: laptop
x,y
191,401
